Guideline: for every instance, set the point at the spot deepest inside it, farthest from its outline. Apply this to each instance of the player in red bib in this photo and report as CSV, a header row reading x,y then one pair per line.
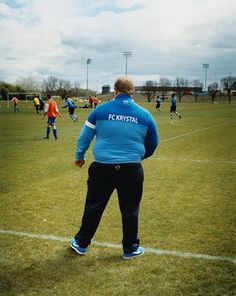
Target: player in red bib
x,y
52,112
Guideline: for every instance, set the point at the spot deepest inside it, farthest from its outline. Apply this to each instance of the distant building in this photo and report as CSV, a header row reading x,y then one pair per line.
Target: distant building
x,y
106,89
233,93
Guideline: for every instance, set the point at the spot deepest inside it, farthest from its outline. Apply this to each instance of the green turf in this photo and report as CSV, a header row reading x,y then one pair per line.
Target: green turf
x,y
188,206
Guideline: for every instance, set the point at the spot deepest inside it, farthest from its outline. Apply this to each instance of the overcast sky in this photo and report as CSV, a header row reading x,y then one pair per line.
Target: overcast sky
x,y
167,38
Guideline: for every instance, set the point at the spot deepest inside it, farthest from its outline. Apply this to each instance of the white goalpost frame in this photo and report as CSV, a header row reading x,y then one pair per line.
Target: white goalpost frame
x,y
21,93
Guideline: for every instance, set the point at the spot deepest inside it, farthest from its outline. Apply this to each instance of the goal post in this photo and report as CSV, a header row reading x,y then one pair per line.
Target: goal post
x,y
10,95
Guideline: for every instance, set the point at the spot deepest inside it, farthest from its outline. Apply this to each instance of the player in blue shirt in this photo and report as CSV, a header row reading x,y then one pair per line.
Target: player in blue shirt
x,y
125,134
158,103
173,107
70,105
42,103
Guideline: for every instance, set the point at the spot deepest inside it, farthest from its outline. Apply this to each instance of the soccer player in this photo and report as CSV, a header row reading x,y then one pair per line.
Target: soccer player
x,y
158,103
90,100
52,112
41,107
173,107
70,105
95,102
36,104
125,134
15,102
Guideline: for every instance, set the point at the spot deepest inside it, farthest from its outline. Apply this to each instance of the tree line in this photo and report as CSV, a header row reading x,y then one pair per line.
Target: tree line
x,y
63,87
51,84
181,85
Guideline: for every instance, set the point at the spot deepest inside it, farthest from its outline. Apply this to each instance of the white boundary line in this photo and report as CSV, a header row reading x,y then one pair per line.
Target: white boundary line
x,y
191,160
194,132
116,246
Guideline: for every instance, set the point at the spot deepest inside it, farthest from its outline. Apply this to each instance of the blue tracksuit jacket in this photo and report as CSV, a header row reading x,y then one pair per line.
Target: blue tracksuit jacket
x,y
125,132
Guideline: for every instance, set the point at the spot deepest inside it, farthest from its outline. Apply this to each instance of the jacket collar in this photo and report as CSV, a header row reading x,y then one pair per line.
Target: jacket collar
x,y
123,96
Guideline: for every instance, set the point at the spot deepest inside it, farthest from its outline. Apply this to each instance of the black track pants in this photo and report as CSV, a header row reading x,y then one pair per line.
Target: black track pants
x,y
103,179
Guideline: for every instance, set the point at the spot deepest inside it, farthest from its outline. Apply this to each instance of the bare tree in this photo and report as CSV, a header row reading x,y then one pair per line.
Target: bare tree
x,y
181,83
50,85
76,89
229,83
164,82
213,89
64,88
29,84
196,83
150,92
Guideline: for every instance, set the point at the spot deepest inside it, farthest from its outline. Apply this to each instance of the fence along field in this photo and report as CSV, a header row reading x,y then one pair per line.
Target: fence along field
x,y
187,219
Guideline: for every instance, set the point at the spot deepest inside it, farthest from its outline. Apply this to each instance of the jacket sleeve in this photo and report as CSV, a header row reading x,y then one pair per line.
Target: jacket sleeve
x,y
151,139
86,137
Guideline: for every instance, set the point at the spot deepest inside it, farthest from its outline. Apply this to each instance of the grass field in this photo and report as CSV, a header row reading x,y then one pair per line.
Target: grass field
x,y
187,217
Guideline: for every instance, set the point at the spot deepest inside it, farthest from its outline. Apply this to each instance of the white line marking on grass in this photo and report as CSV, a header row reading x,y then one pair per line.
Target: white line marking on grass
x,y
194,160
193,132
180,124
117,246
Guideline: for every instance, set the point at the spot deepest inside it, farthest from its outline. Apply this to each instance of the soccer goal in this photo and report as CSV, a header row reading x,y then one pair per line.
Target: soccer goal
x,y
21,96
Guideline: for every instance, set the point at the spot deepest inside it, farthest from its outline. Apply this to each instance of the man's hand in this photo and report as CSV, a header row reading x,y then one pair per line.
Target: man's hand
x,y
80,163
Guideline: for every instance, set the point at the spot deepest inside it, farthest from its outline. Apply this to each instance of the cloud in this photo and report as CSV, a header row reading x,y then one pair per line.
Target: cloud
x,y
167,38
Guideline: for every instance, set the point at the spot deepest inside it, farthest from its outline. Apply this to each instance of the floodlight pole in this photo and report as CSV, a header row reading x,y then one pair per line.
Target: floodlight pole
x,y
126,54
87,62
205,66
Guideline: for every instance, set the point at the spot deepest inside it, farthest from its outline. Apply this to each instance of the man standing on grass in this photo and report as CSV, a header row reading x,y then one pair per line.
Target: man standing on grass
x,y
125,135
90,100
36,104
158,103
52,112
15,101
41,107
173,106
95,102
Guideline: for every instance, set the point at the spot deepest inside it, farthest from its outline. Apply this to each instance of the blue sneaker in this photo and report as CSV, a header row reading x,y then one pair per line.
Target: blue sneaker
x,y
138,252
77,248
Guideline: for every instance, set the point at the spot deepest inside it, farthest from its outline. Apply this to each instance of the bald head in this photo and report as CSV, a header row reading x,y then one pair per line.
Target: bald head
x,y
124,85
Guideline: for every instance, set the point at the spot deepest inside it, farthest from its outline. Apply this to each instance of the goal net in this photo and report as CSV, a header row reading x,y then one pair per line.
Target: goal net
x,y
22,96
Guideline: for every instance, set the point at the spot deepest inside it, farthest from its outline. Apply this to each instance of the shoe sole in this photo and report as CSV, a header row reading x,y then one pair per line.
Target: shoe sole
x,y
77,251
